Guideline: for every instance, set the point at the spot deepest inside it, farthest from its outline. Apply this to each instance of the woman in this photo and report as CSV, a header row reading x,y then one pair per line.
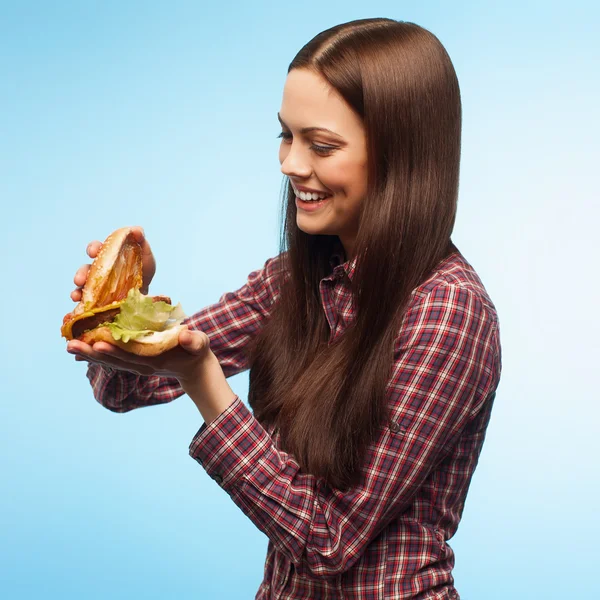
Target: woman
x,y
373,346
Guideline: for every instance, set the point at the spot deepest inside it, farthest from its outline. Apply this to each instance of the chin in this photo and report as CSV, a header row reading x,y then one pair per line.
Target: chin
x,y
312,225
313,230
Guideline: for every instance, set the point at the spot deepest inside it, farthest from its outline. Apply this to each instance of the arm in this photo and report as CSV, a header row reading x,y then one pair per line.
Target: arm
x,y
446,365
230,324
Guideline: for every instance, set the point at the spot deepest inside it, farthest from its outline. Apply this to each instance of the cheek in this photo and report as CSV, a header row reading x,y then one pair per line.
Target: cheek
x,y
349,178
359,182
337,177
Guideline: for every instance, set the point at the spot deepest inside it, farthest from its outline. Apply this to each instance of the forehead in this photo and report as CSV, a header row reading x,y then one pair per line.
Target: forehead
x,y
309,101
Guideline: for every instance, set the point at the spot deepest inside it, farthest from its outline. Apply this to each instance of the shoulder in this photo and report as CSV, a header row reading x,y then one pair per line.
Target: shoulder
x,y
271,272
449,337
265,282
456,271
455,281
451,304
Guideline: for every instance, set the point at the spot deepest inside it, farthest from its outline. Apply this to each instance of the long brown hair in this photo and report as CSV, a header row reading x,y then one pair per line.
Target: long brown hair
x,y
328,400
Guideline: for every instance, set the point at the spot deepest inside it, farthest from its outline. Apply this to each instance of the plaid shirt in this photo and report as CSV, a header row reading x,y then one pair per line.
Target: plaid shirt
x,y
386,538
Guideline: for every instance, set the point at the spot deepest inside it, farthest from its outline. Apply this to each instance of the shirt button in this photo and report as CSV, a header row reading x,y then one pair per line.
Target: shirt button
x,y
396,427
218,479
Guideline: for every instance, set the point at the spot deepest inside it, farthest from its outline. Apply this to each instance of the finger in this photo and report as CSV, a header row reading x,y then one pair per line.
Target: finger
x,y
194,342
81,275
89,354
93,248
77,347
76,295
145,365
140,237
138,233
115,364
111,352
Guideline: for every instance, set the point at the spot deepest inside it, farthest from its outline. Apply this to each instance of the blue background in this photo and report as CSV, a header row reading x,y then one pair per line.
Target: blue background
x,y
163,114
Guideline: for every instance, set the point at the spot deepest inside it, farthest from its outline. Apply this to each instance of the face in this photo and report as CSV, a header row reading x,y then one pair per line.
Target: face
x,y
323,152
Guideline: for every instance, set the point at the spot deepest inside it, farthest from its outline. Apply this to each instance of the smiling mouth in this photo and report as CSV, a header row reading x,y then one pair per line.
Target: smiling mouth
x,y
311,196
313,200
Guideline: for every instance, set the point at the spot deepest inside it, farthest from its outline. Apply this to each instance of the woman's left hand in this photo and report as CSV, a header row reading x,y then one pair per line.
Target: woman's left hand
x,y
183,362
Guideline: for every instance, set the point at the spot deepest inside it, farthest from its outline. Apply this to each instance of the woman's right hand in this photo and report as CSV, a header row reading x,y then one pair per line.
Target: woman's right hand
x,y
148,264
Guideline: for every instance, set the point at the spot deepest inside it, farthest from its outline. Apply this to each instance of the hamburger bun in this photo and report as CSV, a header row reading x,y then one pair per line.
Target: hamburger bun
x,y
114,273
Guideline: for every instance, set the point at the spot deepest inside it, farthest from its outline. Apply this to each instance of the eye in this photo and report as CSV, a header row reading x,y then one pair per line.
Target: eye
x,y
324,150
286,136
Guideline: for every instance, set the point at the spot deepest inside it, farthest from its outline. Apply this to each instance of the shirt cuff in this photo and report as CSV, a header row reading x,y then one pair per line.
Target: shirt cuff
x,y
230,446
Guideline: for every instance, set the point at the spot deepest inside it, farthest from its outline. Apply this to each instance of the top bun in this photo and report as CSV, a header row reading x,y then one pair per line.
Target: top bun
x,y
116,270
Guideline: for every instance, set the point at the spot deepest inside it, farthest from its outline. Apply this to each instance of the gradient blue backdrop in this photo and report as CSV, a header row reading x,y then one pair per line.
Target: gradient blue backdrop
x,y
163,114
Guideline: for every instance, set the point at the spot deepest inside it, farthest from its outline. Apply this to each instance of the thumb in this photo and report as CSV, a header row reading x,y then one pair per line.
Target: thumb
x,y
194,342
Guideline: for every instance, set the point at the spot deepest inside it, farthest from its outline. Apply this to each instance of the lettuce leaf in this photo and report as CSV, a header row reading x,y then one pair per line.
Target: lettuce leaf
x,y
139,316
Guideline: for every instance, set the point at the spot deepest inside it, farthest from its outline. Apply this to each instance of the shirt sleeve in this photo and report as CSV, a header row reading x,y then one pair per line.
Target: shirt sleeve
x,y
230,324
446,364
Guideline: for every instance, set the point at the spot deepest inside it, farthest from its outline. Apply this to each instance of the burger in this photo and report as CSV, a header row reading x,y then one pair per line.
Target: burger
x,y
112,308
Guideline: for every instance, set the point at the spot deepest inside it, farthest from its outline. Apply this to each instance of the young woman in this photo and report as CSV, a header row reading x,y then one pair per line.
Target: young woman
x,y
372,344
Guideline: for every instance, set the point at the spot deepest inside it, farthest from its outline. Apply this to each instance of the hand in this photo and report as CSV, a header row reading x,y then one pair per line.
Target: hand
x,y
192,363
148,264
184,362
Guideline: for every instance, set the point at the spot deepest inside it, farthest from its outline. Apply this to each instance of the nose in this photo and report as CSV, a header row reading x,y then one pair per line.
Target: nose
x,y
294,163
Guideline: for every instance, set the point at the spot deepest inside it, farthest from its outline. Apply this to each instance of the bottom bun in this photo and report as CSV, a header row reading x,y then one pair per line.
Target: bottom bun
x,y
149,345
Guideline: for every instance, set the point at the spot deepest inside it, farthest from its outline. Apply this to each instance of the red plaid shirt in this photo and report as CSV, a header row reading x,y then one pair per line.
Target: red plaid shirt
x,y
386,538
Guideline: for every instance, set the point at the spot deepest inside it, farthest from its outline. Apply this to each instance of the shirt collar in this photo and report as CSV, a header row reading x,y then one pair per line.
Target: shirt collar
x,y
337,264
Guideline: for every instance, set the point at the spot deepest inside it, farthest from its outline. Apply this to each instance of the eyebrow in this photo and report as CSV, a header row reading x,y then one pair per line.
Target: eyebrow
x,y
309,129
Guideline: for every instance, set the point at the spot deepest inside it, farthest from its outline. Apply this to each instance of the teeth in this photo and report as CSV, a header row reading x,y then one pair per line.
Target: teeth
x,y
310,197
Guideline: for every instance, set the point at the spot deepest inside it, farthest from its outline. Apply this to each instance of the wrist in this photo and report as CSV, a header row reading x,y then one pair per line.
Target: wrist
x,y
205,368
208,388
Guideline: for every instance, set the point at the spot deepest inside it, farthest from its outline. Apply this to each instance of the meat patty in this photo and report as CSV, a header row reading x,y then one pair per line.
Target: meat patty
x,y
83,325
